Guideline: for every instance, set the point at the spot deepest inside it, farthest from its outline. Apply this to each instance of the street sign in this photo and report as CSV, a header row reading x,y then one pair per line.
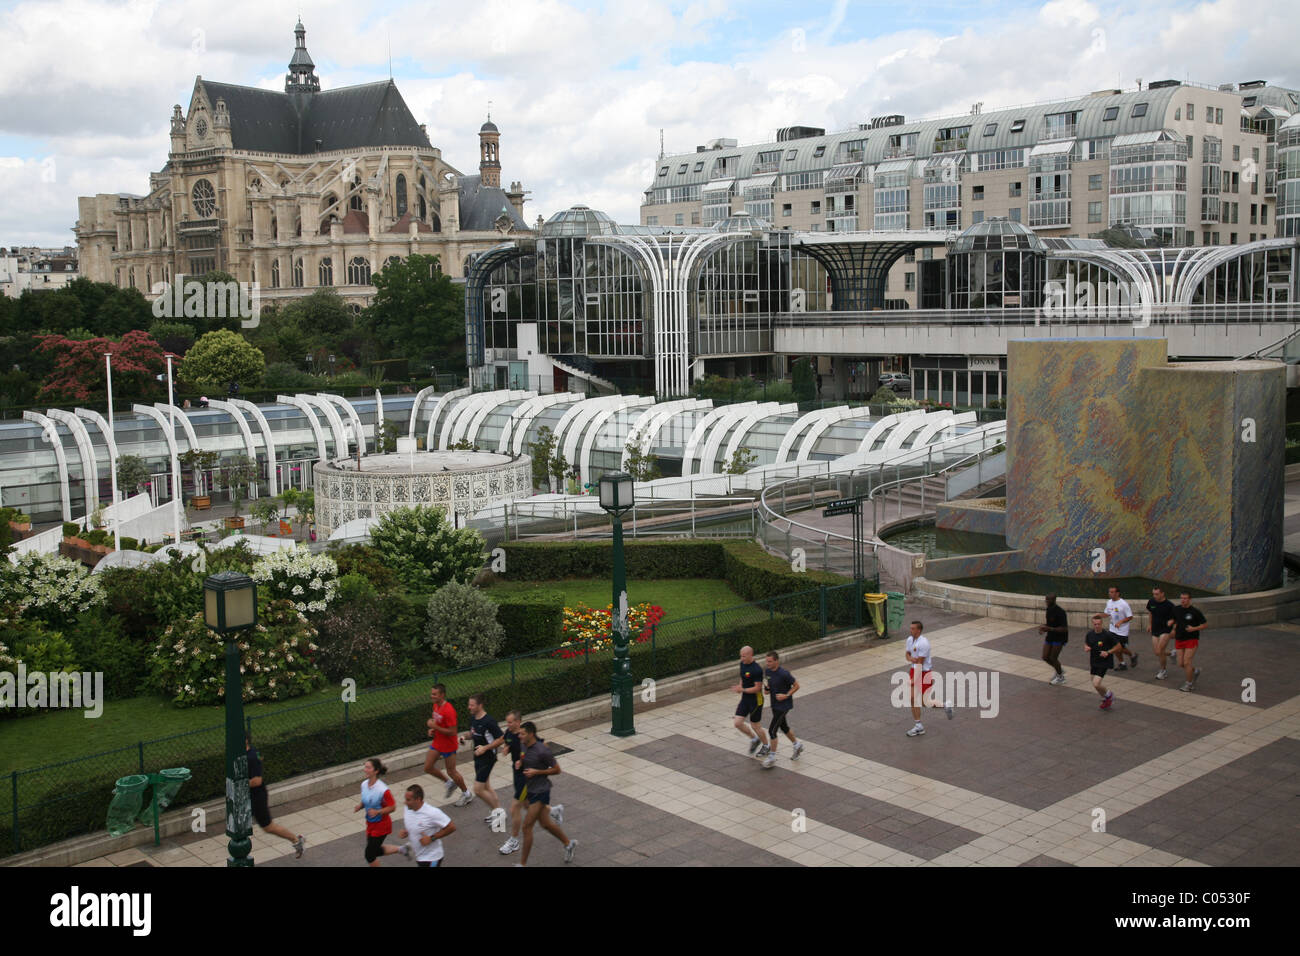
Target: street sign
x,y
842,506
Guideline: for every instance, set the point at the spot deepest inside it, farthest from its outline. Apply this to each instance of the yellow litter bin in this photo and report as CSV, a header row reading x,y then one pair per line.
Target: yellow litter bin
x,y
876,607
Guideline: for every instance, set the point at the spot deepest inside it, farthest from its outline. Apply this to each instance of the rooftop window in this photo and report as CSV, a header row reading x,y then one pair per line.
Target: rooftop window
x,y
1139,109
1112,113
1018,126
990,129
663,170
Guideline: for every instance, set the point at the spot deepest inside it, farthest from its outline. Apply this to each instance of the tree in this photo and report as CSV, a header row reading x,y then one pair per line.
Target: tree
x,y
640,466
79,374
542,451
388,439
463,625
236,473
132,472
805,381
418,312
424,550
265,511
220,358
175,337
742,459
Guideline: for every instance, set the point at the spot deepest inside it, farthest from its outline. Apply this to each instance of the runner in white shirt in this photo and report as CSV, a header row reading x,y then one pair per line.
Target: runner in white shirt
x,y
424,827
918,656
1120,615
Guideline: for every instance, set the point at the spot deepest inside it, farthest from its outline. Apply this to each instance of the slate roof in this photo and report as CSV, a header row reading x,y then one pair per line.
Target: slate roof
x,y
481,206
352,117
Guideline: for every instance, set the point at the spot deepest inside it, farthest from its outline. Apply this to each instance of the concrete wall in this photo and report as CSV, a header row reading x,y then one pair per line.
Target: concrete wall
x,y
1113,450
976,516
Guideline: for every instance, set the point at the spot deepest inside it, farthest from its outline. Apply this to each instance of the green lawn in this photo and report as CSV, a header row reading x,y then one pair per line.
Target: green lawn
x,y
678,597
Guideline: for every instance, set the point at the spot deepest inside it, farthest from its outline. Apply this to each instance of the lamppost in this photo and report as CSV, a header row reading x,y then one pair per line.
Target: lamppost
x,y
176,465
617,497
112,465
311,362
331,365
230,606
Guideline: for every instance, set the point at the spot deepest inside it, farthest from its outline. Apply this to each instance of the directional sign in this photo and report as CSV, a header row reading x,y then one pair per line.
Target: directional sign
x,y
844,503
832,512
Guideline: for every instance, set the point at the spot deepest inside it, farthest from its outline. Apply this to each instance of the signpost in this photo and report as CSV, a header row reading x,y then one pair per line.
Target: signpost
x,y
851,506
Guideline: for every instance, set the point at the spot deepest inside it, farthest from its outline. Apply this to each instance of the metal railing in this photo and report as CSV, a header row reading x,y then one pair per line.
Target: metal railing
x,y
695,517
1162,314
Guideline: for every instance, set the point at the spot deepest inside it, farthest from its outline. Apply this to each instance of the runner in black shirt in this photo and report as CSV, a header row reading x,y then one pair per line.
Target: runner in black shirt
x,y
485,733
1189,622
1101,644
512,742
1160,623
781,687
1056,632
260,802
750,709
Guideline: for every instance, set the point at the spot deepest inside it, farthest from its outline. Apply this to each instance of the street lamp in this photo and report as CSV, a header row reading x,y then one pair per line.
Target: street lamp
x,y
331,365
112,465
617,498
311,360
176,466
230,606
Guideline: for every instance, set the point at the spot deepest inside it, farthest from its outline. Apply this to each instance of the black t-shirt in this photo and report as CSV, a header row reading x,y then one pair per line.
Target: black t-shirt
x,y
1056,618
751,680
485,733
1185,617
255,770
1162,615
1098,643
780,681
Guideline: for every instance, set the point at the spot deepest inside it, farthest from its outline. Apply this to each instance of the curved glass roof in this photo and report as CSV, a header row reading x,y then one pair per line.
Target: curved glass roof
x,y
997,234
1291,123
743,223
579,221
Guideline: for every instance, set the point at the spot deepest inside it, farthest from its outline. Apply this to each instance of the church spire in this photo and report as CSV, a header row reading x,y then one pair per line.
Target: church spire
x,y
302,71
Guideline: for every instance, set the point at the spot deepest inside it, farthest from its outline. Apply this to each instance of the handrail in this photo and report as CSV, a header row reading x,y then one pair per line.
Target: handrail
x,y
1280,343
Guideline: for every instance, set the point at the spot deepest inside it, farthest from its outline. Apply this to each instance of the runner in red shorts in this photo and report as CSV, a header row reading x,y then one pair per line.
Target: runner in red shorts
x,y
1188,624
446,742
918,656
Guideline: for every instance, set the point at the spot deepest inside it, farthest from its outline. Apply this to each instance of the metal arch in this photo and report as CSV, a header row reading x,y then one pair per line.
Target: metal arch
x,y
1111,261
475,282
909,427
731,419
656,274
584,408
941,429
453,396
644,430
420,396
1220,255
516,427
858,270
268,439
748,422
379,421
182,419
883,427
353,416
472,427
568,442
598,422
237,417
150,411
701,429
457,414
336,423
820,428
310,414
802,425
51,433
93,416
86,451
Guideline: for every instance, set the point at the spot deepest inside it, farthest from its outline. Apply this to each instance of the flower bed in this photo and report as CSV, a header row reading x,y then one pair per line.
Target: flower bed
x,y
589,629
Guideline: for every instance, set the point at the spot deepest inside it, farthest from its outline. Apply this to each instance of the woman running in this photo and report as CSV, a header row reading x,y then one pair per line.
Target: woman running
x,y
379,805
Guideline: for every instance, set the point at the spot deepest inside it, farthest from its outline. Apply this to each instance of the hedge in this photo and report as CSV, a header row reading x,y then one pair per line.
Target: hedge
x,y
532,621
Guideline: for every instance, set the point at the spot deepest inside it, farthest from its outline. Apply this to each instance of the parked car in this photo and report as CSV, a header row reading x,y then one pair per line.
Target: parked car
x,y
898,381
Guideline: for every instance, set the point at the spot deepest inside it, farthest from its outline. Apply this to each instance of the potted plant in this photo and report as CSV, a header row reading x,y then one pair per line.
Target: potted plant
x,y
236,474
265,510
200,461
20,523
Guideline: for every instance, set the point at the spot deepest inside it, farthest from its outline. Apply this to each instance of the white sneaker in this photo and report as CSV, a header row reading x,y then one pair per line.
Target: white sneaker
x,y
916,731
798,749
1162,674
448,788
947,709
1058,679
510,846
568,851
557,813
769,762
465,800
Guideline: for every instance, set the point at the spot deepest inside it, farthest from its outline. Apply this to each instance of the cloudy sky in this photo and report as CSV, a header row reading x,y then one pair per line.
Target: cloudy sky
x,y
579,90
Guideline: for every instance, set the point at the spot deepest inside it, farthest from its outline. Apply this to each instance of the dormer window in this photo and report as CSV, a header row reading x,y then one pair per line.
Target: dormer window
x,y
663,170
1111,114
1139,110
1018,126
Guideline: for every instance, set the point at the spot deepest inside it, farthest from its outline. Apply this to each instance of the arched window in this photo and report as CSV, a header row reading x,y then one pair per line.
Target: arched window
x,y
392,261
297,274
326,272
297,226
359,271
130,277
148,280
401,195
275,274
252,271
437,223
117,278
424,210
275,229
356,200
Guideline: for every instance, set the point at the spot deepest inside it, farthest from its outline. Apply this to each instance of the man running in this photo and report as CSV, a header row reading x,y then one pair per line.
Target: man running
x,y
750,709
781,688
1102,645
424,826
261,805
484,733
1160,623
1056,632
442,728
1187,638
917,651
538,767
1120,616
512,741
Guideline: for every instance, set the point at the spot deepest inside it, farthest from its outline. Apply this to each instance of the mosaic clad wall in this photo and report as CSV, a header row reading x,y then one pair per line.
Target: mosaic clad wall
x,y
1172,472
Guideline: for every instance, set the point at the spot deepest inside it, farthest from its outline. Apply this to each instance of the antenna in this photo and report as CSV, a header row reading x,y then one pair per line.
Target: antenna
x,y
661,143
390,55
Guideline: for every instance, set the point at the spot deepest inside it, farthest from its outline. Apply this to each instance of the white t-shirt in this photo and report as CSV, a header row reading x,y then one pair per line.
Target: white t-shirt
x,y
1118,611
920,647
425,821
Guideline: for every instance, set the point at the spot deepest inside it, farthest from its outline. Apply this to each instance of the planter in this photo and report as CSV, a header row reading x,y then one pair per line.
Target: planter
x,y
201,502
233,524
83,551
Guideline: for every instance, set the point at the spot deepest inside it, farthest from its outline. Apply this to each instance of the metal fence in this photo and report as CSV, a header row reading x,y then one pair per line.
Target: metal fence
x,y
71,798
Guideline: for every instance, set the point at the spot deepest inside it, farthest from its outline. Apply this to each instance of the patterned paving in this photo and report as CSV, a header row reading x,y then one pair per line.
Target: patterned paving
x,y
1164,778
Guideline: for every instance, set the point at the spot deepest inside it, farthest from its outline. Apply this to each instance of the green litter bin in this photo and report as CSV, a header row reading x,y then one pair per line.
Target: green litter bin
x,y
166,785
128,796
876,607
896,612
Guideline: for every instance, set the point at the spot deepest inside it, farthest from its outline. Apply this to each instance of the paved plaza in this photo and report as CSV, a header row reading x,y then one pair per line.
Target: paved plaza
x,y
1177,779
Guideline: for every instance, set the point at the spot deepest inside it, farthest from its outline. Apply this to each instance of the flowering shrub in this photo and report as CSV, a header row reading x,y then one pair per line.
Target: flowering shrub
x,y
308,580
352,644
277,659
51,588
588,628
463,625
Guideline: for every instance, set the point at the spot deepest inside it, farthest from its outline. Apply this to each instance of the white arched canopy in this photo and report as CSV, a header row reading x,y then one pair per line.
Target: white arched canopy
x,y
451,398
91,415
268,440
516,427
353,417
86,450
312,421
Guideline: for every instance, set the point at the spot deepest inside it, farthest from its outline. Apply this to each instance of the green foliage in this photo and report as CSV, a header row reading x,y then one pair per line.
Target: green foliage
x,y
101,643
805,381
542,450
265,511
388,438
883,396
132,472
646,560
742,459
424,550
530,622
354,588
50,588
276,659
641,466
353,643
71,529
219,358
463,625
236,473
288,375
365,561
175,337
418,313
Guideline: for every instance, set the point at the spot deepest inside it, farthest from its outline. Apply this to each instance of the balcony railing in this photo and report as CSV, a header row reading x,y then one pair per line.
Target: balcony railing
x,y
900,152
